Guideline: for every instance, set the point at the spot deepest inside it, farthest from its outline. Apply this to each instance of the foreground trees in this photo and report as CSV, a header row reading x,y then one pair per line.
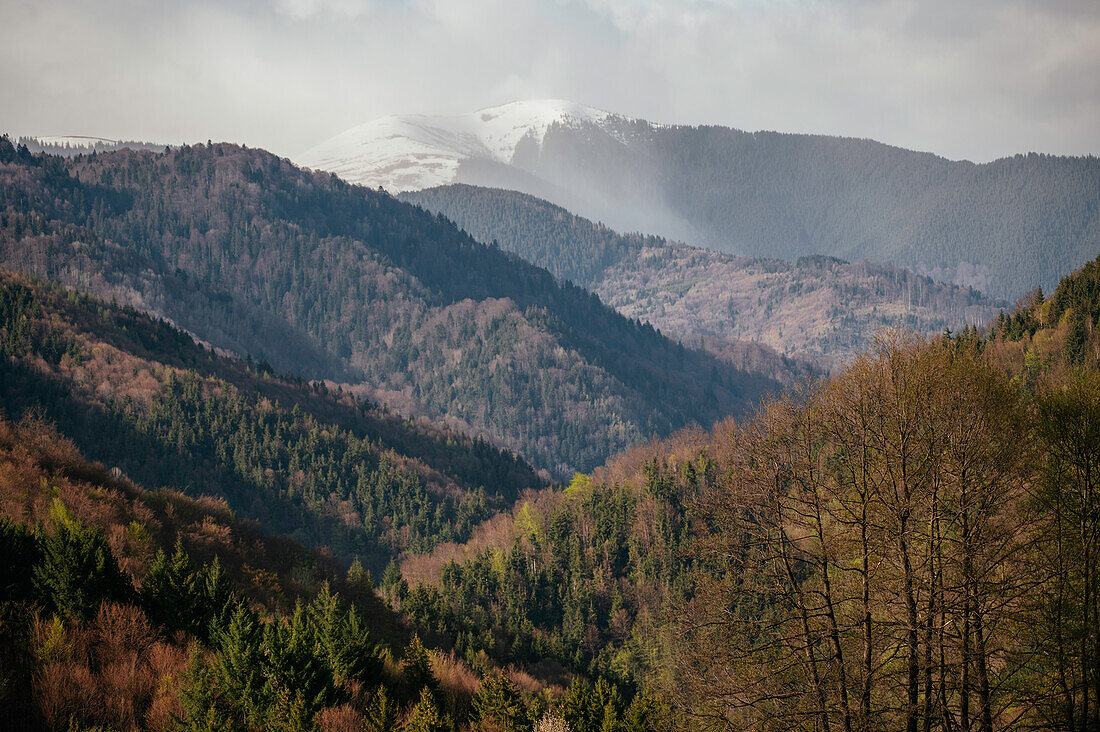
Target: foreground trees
x,y
879,551
1066,636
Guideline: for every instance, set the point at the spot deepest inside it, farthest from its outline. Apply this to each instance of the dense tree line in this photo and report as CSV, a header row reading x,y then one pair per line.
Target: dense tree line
x,y
1001,226
335,281
320,466
584,583
73,146
130,609
818,306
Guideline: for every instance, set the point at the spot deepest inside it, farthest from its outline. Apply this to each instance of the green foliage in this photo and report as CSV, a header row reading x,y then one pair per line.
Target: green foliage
x,y
343,640
426,716
416,668
338,282
381,712
77,571
500,702
180,596
576,587
19,553
281,673
286,453
298,668
601,708
1079,292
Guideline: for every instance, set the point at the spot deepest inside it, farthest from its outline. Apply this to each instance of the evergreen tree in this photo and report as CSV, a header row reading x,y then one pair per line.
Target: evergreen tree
x,y
218,600
169,591
417,667
426,716
381,713
297,676
236,679
499,701
77,571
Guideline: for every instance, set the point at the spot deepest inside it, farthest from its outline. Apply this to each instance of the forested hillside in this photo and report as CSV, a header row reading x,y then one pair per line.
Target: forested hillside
x,y
818,307
907,545
132,609
567,245
1003,227
339,282
904,546
73,146
322,466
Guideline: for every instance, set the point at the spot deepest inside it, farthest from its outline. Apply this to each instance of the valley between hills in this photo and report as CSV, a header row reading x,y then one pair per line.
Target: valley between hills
x,y
281,450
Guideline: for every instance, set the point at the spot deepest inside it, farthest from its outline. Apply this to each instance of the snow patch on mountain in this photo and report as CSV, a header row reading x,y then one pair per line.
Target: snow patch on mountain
x,y
411,152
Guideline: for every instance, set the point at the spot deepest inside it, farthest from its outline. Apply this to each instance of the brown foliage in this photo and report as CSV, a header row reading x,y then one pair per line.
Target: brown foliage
x,y
112,671
864,567
343,718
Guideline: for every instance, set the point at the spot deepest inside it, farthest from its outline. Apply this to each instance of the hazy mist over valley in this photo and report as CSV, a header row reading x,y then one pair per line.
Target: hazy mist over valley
x,y
528,366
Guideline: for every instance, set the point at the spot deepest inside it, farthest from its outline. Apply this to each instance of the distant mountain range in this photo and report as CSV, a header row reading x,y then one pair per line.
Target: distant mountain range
x,y
818,307
341,283
1003,227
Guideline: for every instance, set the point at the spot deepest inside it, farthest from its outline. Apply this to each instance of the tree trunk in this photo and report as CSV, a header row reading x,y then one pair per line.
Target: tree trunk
x,y
865,691
929,625
983,670
964,700
912,641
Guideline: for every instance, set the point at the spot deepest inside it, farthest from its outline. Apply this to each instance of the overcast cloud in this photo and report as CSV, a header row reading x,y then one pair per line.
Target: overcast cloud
x,y
973,79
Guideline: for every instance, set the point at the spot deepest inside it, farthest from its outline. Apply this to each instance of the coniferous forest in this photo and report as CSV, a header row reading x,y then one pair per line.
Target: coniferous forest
x,y
348,285
278,452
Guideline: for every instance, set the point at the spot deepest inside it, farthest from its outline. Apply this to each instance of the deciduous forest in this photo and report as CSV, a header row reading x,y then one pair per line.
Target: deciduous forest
x,y
195,534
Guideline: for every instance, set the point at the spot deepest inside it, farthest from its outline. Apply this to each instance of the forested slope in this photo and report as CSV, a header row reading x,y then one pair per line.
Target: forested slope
x,y
334,281
904,545
1003,227
817,307
137,394
549,236
132,609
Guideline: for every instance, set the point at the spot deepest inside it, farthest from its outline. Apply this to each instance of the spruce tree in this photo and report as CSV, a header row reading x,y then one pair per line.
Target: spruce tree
x,y
426,716
169,592
500,702
78,571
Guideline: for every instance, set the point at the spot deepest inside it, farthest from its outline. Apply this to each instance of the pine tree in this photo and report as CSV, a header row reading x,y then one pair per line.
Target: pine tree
x,y
498,700
78,571
580,708
343,639
218,600
417,667
381,713
237,675
169,591
426,716
298,677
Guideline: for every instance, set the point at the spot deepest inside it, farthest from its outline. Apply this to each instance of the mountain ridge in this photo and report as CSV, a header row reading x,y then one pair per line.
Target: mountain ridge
x,y
818,308
782,195
438,144
338,282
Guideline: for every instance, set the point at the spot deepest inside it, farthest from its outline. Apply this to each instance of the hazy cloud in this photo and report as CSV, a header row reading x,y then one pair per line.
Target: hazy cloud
x,y
975,79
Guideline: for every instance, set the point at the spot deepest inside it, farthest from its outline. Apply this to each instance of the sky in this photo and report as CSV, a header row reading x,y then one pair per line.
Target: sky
x,y
968,79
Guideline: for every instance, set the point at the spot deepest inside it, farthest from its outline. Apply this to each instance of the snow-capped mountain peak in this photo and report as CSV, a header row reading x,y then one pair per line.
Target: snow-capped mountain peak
x,y
410,152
